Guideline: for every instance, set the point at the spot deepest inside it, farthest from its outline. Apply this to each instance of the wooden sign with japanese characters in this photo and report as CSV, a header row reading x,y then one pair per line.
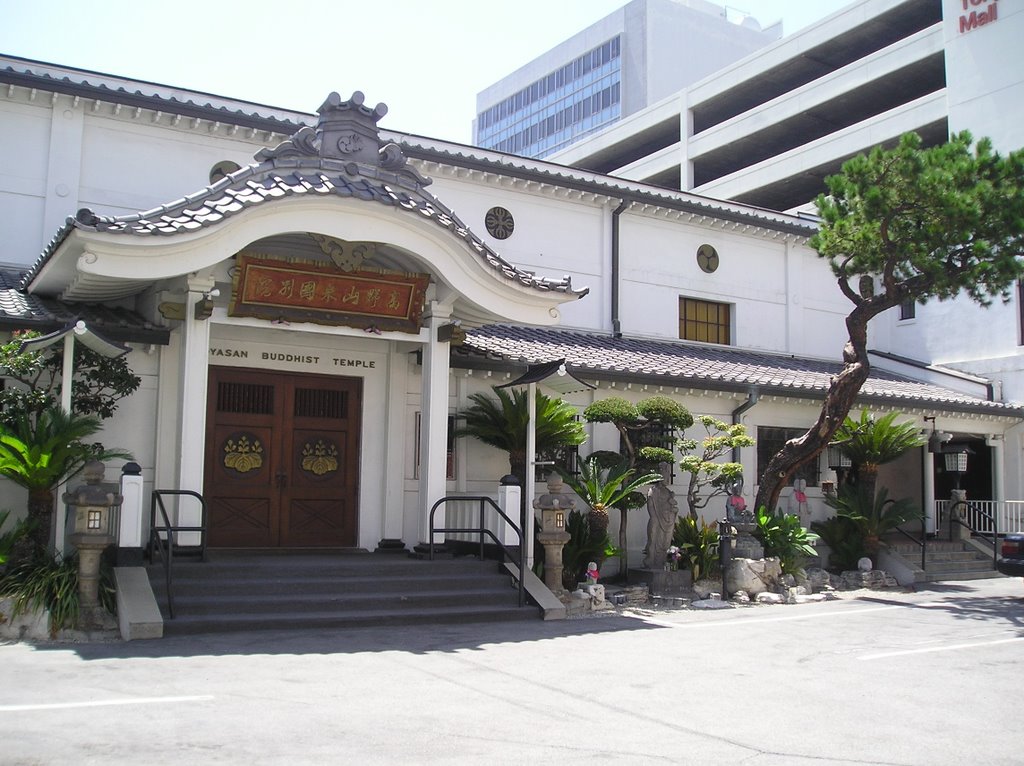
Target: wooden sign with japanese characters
x,y
300,291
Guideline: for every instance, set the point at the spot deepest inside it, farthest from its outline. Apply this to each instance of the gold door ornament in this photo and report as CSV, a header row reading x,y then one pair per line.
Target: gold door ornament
x,y
319,458
243,455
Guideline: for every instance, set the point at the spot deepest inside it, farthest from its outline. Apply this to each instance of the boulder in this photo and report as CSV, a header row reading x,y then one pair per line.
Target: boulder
x,y
705,588
753,575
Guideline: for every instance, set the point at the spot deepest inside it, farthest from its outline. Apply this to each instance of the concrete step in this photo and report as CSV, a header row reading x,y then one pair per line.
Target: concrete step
x,y
254,592
937,576
946,561
300,601
332,619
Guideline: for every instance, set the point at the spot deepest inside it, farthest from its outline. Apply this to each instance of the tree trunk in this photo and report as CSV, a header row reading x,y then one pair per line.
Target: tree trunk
x,y
691,497
597,521
623,547
36,543
839,400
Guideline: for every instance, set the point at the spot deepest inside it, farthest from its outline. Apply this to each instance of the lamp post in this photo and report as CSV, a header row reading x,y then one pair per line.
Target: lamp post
x,y
554,508
955,458
94,532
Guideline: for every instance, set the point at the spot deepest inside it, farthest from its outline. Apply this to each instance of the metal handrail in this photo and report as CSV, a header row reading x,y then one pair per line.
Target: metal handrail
x,y
922,543
482,530
984,514
156,543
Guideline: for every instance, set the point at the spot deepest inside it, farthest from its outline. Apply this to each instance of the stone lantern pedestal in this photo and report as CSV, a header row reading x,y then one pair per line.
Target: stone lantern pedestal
x,y
554,507
92,507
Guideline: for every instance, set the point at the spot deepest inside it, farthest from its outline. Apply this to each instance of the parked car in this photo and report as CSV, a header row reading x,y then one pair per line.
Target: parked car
x,y
1011,561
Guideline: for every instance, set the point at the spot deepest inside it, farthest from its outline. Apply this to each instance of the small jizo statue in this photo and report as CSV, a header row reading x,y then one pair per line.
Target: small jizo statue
x,y
735,505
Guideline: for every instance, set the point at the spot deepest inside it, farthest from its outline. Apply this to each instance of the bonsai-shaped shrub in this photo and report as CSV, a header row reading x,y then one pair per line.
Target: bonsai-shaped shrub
x,y
647,433
700,460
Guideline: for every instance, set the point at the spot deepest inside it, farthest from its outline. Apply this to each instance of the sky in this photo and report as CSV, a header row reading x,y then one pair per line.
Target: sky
x,y
426,59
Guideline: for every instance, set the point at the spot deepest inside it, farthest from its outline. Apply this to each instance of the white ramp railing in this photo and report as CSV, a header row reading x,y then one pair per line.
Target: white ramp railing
x,y
1007,514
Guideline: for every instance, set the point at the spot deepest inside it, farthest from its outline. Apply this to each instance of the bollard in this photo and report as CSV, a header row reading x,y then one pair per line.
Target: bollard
x,y
724,552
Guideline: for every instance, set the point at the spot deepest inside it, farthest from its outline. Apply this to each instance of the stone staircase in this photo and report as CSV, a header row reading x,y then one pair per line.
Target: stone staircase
x,y
957,560
233,592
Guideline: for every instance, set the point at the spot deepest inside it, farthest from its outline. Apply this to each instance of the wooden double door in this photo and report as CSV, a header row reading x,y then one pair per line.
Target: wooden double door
x,y
282,459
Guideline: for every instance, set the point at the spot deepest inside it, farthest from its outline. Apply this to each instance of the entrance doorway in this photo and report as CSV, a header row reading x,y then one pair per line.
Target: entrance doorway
x,y
282,459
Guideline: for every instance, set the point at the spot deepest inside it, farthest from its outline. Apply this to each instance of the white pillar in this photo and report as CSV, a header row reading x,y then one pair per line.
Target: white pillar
x,y
131,536
395,448
66,374
928,472
510,498
195,353
434,421
531,468
996,442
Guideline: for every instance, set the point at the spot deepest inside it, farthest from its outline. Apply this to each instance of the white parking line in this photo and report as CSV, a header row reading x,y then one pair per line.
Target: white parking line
x,y
944,648
758,620
104,703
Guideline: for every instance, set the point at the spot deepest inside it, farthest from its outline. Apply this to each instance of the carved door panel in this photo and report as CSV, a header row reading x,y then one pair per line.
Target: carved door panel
x,y
282,459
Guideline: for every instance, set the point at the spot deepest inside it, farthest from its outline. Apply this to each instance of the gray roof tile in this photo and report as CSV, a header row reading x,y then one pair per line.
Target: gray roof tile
x,y
23,311
694,365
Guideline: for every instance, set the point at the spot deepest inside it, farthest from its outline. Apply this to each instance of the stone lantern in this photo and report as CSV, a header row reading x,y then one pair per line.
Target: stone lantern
x,y
554,507
92,506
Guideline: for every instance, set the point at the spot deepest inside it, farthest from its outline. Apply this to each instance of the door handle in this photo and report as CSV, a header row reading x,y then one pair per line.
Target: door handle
x,y
281,479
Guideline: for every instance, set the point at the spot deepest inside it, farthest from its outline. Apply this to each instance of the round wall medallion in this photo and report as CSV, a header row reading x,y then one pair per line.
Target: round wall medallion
x,y
499,223
707,258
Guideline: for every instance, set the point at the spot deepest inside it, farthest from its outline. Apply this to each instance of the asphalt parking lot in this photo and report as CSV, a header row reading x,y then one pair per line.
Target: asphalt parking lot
x,y
875,677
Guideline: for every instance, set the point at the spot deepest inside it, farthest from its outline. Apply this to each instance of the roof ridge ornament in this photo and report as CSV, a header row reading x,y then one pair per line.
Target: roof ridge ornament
x,y
348,130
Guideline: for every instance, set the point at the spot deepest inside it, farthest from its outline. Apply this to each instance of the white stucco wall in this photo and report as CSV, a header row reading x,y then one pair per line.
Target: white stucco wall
x,y
57,156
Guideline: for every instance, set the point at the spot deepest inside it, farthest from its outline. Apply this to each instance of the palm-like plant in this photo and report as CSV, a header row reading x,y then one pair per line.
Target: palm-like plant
x,y
869,442
873,515
602,488
502,422
39,453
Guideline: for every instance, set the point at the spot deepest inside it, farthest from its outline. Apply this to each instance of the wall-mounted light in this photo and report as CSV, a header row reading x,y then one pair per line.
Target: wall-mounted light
x,y
204,306
451,333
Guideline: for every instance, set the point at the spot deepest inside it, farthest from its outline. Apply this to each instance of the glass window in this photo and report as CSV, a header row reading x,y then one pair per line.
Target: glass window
x,y
450,458
908,309
770,440
704,321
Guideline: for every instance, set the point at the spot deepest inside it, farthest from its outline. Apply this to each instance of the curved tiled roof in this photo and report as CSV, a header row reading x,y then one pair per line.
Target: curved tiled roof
x,y
682,364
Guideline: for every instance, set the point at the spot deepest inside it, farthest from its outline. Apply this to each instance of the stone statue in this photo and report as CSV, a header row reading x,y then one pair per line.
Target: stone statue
x,y
663,508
